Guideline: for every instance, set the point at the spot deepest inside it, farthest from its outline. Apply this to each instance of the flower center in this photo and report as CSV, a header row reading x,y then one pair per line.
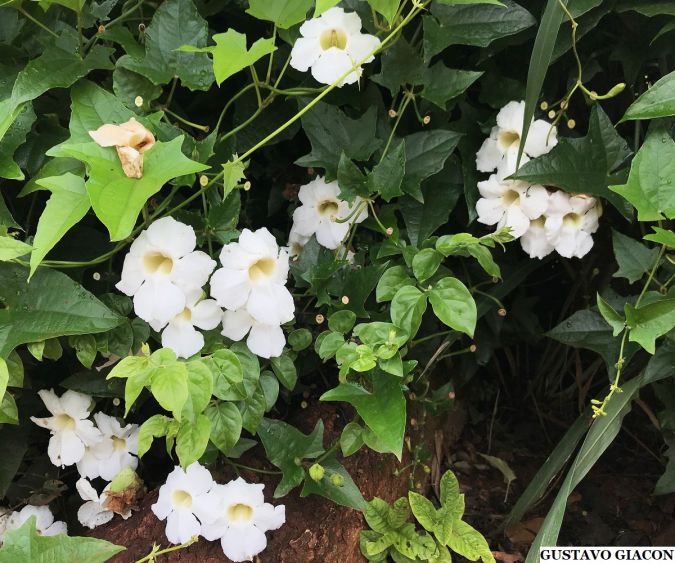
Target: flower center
x,y
572,220
157,263
64,422
507,139
186,315
327,208
538,222
511,197
333,37
181,499
239,513
119,443
262,269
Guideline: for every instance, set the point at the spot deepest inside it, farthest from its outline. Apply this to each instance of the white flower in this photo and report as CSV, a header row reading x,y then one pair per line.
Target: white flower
x,y
180,334
130,139
253,278
71,430
570,222
534,240
510,204
500,150
114,452
94,511
4,517
44,524
266,341
296,242
243,518
331,45
184,502
320,207
162,265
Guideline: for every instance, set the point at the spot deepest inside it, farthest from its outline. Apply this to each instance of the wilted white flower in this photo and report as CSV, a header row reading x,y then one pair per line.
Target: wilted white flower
x,y
253,278
130,139
266,341
185,503
296,242
570,222
320,208
243,518
95,511
160,268
534,240
115,451
331,45
71,430
510,204
44,524
180,334
500,150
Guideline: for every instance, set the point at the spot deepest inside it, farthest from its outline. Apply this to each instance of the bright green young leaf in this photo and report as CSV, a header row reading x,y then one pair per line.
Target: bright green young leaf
x,y
614,319
68,204
11,248
658,101
226,425
387,8
284,13
51,305
470,543
453,305
200,387
230,54
26,545
407,309
391,281
169,385
286,446
634,258
649,322
649,187
323,5
383,409
192,439
661,236
425,263
582,165
154,427
175,23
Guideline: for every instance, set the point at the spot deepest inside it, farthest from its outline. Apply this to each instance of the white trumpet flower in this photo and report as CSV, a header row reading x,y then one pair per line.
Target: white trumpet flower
x,y
44,520
266,341
94,511
331,45
534,240
571,219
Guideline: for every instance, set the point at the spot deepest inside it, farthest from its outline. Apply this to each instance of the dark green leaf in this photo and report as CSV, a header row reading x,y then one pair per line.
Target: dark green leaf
x,y
634,258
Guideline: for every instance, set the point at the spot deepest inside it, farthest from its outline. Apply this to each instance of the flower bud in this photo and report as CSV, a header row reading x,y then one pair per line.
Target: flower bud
x,y
203,180
392,113
247,185
138,101
551,114
101,28
389,231
345,300
426,120
319,319
501,312
543,106
337,479
316,472
96,276
571,124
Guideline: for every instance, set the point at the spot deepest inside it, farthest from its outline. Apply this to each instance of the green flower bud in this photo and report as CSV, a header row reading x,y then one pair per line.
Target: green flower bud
x,y
316,472
337,479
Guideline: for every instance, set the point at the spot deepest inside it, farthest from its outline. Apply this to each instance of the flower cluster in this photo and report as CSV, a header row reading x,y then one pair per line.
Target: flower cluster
x,y
251,287
322,213
543,219
44,520
332,45
103,450
236,513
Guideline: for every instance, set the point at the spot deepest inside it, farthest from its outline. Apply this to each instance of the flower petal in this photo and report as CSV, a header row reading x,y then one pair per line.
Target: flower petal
x,y
236,324
175,239
192,270
230,288
182,339
331,65
305,52
266,341
241,544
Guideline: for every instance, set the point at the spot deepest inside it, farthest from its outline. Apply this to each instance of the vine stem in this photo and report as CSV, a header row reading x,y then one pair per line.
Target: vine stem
x,y
153,554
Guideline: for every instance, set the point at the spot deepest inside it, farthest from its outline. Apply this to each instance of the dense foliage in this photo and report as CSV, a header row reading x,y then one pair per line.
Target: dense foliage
x,y
212,210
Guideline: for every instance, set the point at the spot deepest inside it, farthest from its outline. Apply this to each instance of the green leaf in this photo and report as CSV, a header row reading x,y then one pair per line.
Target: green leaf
x,y
391,281
634,258
347,494
387,175
331,133
383,409
154,427
26,545
233,173
342,321
284,13
407,309
13,139
175,23
286,447
351,180
657,101
51,305
11,248
614,319
253,409
423,510
300,339
284,369
230,54
226,425
117,199
329,345
425,263
351,439
453,305
387,8
68,204
443,83
169,385
662,236
470,543
649,322
228,375
582,165
323,5
85,348
425,155
192,439
200,387
649,186
477,25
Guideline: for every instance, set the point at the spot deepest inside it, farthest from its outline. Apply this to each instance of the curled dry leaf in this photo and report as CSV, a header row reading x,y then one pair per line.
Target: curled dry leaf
x,y
130,139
